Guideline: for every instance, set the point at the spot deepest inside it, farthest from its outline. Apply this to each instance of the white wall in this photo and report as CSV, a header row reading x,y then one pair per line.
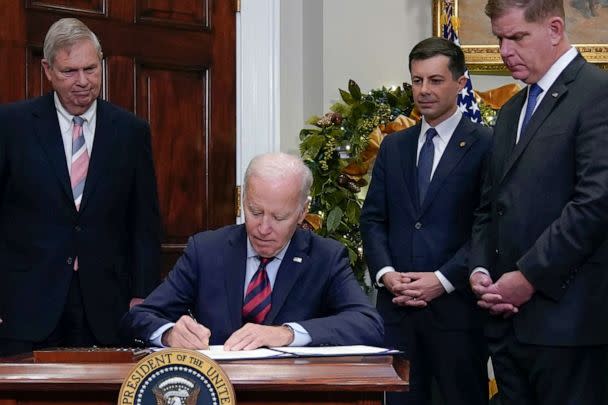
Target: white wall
x,y
369,41
326,42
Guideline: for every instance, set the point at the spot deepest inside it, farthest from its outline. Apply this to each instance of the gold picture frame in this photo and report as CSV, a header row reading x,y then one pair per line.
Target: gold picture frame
x,y
485,59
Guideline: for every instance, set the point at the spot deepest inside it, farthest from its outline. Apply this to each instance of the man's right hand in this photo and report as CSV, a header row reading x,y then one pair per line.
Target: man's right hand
x,y
187,334
395,282
480,283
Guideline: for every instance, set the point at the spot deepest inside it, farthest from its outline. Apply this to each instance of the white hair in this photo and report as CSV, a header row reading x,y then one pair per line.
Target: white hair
x,y
65,33
281,166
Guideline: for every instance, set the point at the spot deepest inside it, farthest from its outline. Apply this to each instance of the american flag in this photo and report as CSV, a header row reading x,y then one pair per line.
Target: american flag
x,y
466,98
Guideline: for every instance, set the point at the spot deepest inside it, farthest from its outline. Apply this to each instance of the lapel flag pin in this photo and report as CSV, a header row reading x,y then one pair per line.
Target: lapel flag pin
x,y
462,144
554,94
297,259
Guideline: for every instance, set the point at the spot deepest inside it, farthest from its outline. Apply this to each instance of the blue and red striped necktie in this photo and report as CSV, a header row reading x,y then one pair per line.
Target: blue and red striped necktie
x,y
257,301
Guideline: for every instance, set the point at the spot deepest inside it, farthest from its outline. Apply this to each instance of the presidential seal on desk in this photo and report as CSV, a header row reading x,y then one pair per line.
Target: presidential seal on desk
x,y
176,377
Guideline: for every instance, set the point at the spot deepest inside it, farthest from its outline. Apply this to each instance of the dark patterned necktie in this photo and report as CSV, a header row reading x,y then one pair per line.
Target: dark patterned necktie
x,y
257,301
425,163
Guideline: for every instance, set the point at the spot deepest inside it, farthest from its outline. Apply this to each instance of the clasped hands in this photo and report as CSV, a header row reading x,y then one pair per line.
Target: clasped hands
x,y
189,334
413,289
505,296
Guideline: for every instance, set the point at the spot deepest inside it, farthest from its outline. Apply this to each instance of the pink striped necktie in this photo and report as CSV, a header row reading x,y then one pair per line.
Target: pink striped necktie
x,y
80,161
257,302
79,165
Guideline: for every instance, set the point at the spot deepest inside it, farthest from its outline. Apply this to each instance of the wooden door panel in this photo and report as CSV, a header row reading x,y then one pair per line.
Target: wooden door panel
x,y
181,155
86,6
186,14
36,84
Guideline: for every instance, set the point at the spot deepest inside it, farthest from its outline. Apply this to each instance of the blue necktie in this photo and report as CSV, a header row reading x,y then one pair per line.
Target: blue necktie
x,y
533,94
425,163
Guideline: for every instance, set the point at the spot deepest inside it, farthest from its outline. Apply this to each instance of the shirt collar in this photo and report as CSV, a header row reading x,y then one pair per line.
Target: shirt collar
x,y
557,68
251,253
445,129
87,115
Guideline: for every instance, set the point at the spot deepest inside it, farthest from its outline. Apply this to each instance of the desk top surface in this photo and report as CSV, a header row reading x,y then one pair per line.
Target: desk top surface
x,y
353,373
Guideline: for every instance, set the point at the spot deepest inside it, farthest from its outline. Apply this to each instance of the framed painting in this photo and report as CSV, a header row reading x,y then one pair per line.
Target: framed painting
x,y
586,26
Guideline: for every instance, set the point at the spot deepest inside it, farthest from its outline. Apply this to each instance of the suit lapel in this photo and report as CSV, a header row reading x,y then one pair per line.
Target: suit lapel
x,y
234,265
461,141
554,94
294,264
408,166
105,132
46,125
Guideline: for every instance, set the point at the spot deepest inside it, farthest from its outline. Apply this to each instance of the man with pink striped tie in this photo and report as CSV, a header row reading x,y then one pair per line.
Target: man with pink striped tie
x,y
79,217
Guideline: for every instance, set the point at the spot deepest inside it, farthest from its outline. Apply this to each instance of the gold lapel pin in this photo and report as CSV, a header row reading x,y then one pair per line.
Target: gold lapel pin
x,y
463,144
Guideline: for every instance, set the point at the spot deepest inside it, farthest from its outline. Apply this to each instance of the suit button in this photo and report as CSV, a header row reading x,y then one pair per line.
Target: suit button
x,y
418,225
500,213
77,228
70,260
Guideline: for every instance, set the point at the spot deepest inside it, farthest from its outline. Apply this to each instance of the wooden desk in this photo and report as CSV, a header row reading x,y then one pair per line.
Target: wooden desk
x,y
334,380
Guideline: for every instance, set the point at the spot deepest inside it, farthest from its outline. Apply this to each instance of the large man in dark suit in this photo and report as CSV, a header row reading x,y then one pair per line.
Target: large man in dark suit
x,y
416,224
264,283
539,248
79,220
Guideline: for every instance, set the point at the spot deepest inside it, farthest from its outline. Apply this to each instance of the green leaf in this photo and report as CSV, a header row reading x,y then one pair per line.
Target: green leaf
x,y
340,108
392,99
353,211
311,145
313,120
352,255
354,89
334,218
369,108
348,99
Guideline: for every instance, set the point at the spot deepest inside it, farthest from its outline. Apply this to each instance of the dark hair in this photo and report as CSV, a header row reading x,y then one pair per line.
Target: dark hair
x,y
434,46
534,10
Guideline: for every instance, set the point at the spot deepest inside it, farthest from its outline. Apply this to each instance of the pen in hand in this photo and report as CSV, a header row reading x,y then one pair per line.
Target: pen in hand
x,y
201,332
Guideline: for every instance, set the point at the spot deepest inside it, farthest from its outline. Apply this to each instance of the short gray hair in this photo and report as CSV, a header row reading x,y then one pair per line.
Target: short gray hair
x,y
280,166
65,33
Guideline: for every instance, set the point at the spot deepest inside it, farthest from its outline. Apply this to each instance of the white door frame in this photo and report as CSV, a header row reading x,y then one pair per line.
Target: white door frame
x,y
258,82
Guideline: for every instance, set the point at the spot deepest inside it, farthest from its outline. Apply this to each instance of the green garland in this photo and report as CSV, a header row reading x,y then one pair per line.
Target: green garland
x,y
337,140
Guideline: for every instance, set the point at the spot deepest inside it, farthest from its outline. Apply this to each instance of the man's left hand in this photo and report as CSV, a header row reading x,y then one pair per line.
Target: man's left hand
x,y
252,336
135,301
423,288
511,291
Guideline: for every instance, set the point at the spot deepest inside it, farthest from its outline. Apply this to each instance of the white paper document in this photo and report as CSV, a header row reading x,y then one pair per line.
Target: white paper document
x,y
217,352
357,350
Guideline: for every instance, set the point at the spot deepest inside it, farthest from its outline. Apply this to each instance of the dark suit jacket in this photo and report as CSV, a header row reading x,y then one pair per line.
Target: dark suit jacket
x,y
116,234
545,210
398,232
320,292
